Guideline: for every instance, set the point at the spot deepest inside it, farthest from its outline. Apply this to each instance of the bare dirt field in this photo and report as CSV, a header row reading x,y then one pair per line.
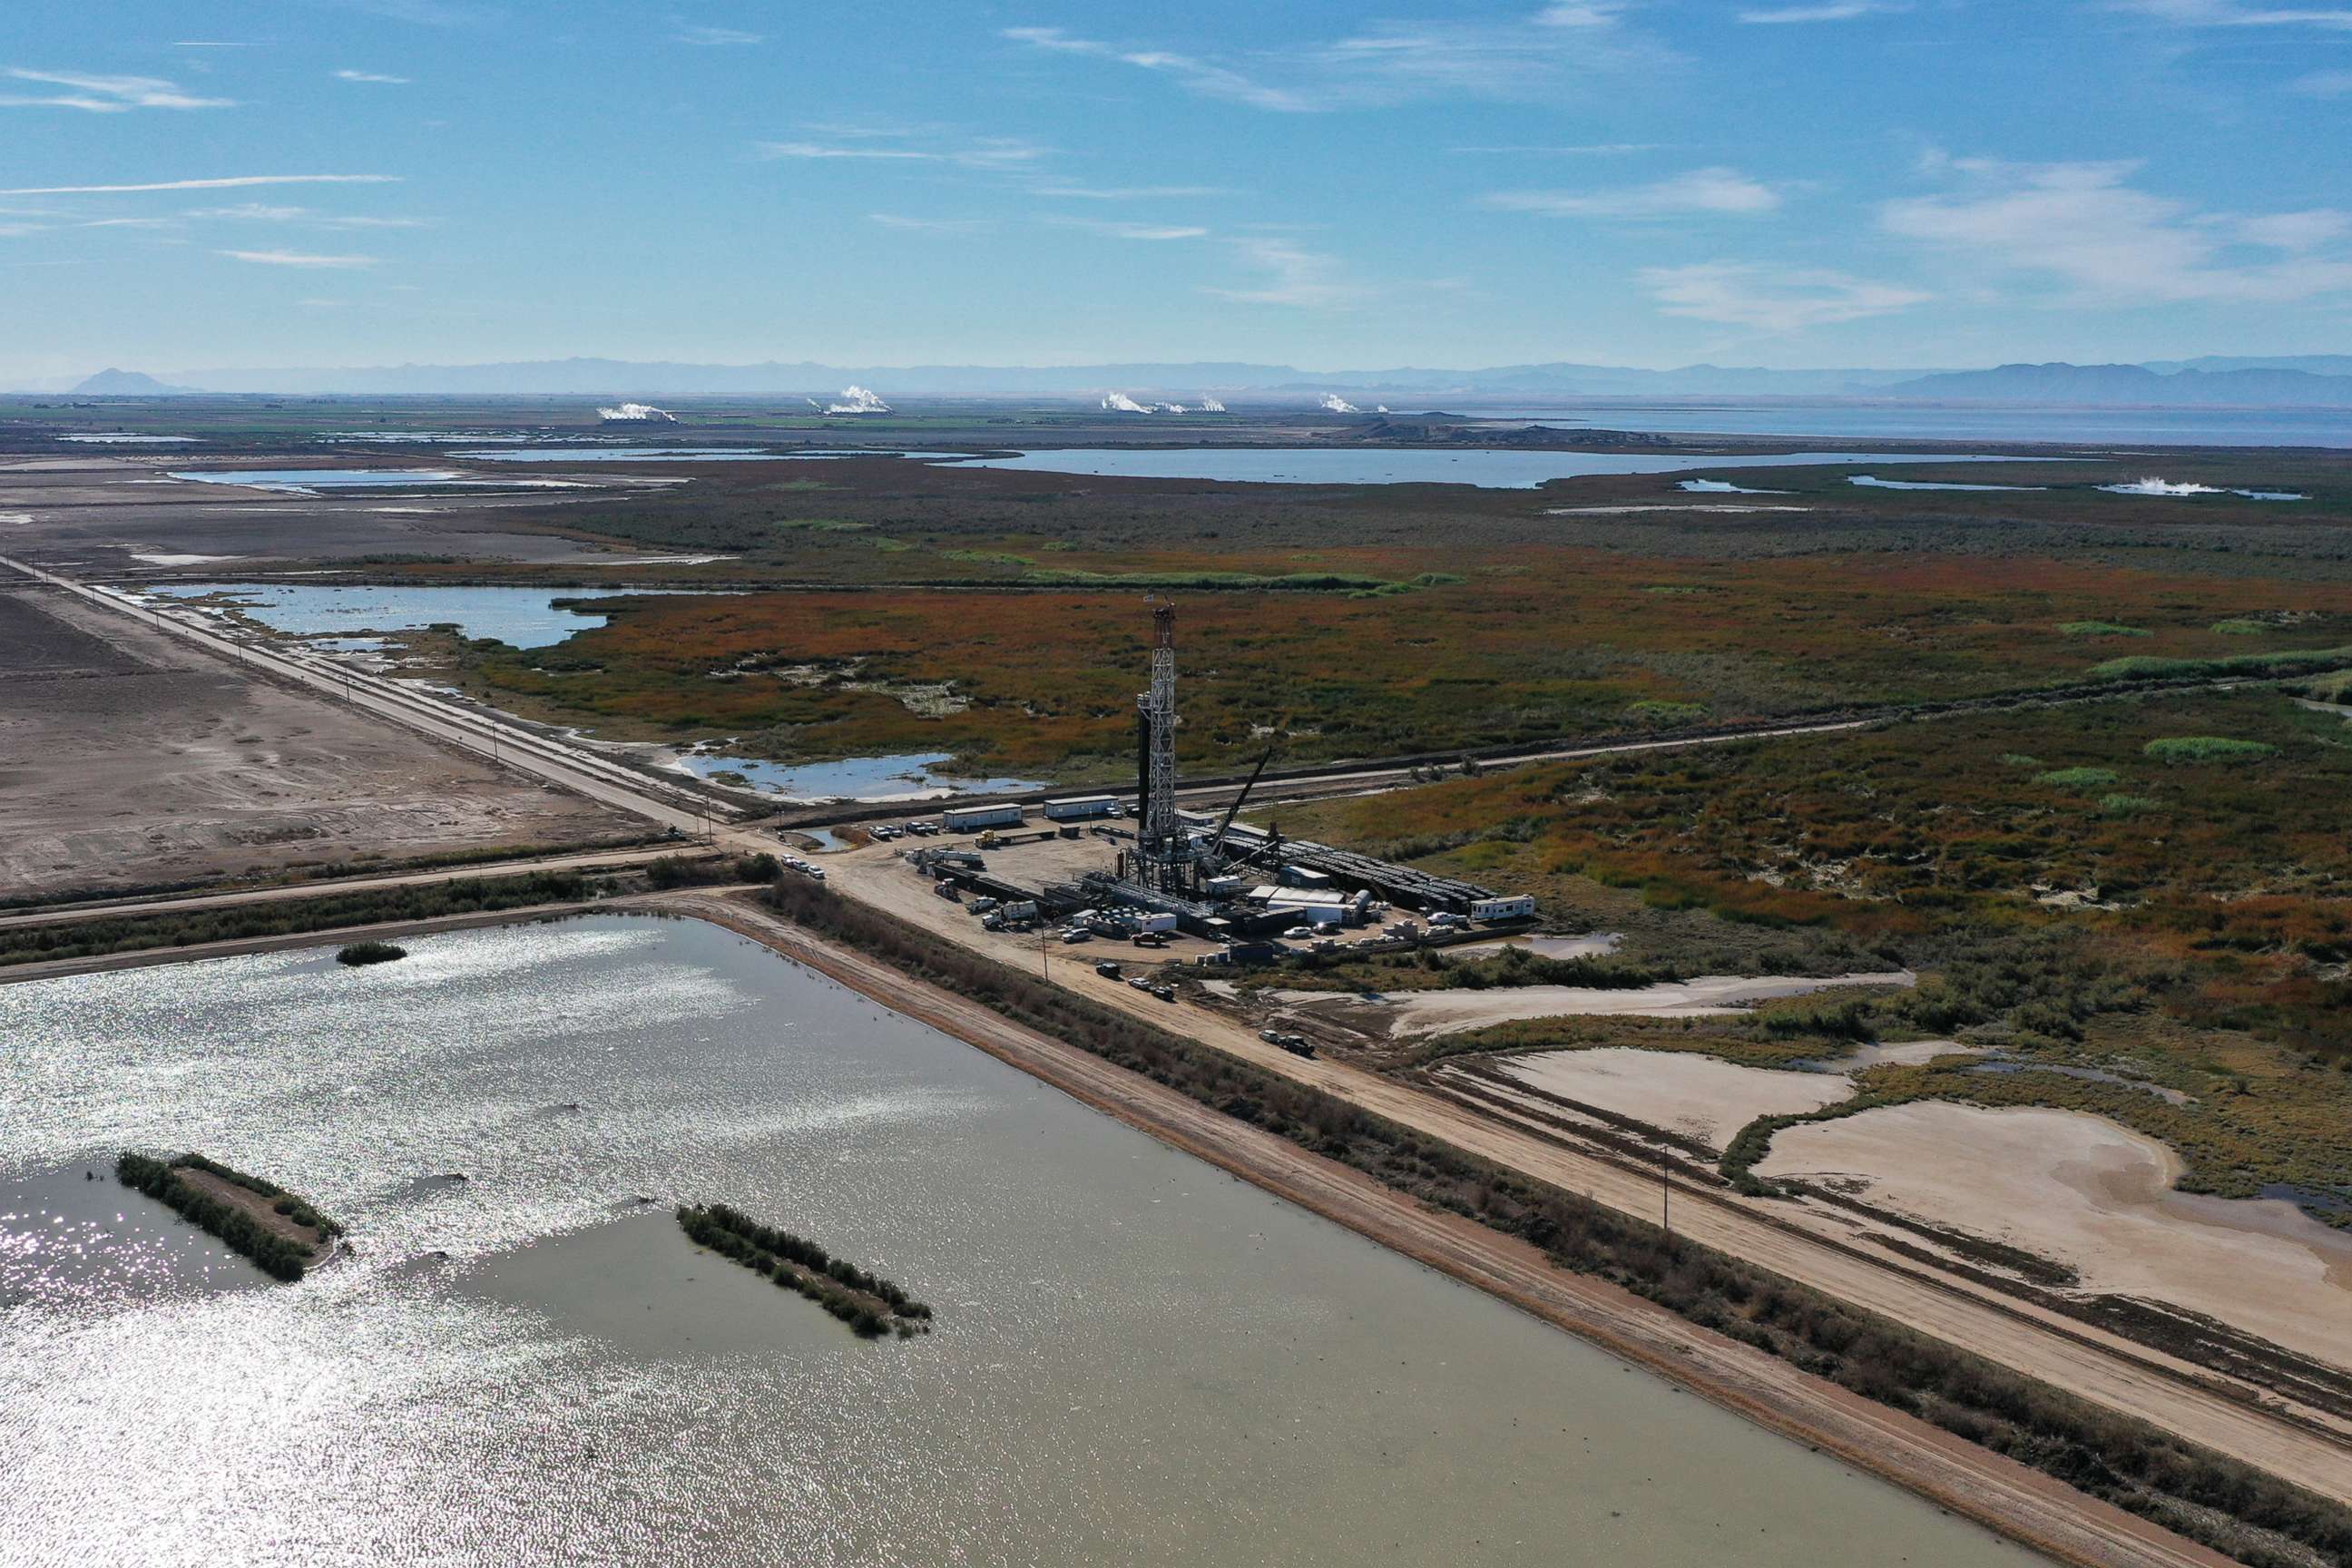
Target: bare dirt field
x,y
129,759
2079,1188
1412,1013
1697,1096
106,515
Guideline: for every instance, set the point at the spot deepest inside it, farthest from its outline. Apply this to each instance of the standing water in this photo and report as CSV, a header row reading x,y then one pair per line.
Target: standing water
x,y
1137,1358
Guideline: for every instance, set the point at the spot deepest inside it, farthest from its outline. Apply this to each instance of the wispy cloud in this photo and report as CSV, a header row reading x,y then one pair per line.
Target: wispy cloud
x,y
103,94
983,153
1699,190
370,76
1772,299
261,212
715,38
1835,11
938,224
1130,192
2086,225
1294,276
230,181
1535,56
1132,230
2322,84
2235,14
300,260
1587,150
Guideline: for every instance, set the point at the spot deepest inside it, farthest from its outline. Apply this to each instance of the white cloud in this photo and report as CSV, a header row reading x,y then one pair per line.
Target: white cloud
x,y
1771,299
2082,224
370,76
1835,11
940,225
1132,193
2322,84
1699,190
715,38
1588,150
299,259
1535,58
105,94
1133,230
231,181
985,153
2233,13
1294,276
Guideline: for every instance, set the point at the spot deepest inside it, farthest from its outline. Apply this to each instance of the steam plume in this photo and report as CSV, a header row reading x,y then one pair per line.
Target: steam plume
x,y
1210,405
1336,404
857,400
643,412
1120,403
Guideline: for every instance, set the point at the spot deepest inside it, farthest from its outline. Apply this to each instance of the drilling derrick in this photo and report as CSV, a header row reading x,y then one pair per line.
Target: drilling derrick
x,y
1161,836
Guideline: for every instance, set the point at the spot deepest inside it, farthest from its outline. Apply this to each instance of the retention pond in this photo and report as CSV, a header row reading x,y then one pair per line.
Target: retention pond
x,y
1138,1359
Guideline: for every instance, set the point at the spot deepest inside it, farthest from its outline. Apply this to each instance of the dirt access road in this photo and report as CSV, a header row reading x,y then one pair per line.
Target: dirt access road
x,y
2308,1448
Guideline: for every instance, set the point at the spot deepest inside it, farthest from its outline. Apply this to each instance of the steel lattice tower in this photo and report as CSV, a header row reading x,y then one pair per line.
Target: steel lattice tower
x,y
1159,708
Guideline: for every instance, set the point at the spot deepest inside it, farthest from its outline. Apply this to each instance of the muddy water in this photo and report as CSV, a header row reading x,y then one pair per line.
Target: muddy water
x,y
1138,1359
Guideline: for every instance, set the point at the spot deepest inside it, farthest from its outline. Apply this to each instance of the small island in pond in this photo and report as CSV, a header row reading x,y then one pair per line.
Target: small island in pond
x,y
282,1234
360,952
869,1305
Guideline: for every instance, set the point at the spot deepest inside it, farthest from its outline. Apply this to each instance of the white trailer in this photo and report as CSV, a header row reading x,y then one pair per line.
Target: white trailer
x,y
1508,907
1079,807
968,818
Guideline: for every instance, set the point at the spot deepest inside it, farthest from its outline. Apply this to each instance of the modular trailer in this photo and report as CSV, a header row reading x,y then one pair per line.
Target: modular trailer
x,y
1078,807
967,818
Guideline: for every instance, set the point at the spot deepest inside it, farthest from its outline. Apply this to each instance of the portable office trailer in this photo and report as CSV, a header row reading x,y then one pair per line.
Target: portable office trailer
x,y
1078,807
966,818
1506,907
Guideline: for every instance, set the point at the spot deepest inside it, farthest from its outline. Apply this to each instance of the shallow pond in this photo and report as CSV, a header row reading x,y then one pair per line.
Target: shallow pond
x,y
520,618
1138,1359
905,777
1493,468
309,481
679,455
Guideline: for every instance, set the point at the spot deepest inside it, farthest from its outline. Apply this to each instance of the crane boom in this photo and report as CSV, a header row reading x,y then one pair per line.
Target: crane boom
x,y
1217,843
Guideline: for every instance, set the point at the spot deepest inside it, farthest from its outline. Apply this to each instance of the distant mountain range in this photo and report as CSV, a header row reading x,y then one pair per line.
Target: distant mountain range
x,y
2297,381
2249,384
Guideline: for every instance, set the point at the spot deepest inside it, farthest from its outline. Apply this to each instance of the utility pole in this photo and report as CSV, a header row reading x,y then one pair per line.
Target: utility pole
x,y
1044,953
1667,1193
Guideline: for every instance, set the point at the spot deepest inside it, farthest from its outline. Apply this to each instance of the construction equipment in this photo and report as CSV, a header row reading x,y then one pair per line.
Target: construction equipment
x,y
1217,844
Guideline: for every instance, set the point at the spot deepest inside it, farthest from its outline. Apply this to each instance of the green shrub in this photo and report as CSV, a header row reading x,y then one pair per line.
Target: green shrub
x,y
2098,629
2208,749
2080,780
364,952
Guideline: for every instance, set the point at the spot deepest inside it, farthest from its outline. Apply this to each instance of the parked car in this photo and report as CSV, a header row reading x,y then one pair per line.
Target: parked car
x,y
1166,993
1149,939
1299,933
1078,934
1108,970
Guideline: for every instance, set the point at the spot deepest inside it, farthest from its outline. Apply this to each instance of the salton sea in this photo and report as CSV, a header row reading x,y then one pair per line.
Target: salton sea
x,y
1136,1359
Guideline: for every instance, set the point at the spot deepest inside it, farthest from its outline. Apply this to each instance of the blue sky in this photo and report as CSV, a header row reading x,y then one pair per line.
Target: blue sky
x,y
1753,182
